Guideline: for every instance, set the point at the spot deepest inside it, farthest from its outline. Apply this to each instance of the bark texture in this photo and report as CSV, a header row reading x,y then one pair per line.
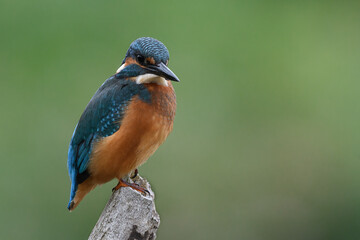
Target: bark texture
x,y
128,215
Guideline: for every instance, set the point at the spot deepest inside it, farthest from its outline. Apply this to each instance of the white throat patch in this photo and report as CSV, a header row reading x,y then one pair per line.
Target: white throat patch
x,y
151,78
147,78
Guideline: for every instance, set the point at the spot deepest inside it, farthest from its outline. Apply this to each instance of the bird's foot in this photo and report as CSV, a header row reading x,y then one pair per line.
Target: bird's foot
x,y
134,174
134,186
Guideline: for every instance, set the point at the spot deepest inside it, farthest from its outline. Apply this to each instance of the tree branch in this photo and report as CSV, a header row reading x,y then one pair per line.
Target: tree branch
x,y
128,215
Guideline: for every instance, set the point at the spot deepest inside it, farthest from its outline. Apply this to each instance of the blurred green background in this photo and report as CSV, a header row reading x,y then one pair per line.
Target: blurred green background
x,y
266,138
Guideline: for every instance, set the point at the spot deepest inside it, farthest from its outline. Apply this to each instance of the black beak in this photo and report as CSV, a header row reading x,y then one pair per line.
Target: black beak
x,y
162,70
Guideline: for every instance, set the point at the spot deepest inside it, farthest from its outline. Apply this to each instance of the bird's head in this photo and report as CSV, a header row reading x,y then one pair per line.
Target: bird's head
x,y
146,62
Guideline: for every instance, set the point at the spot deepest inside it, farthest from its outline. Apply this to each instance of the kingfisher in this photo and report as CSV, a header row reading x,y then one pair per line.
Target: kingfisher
x,y
125,122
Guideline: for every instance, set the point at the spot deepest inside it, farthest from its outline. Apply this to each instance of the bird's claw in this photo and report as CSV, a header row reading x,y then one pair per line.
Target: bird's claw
x,y
134,186
135,174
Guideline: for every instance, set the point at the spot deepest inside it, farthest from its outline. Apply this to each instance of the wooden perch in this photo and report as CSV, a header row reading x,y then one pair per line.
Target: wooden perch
x,y
128,215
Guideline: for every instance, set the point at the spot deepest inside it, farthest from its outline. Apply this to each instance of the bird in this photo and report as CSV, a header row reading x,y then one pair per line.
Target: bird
x,y
127,119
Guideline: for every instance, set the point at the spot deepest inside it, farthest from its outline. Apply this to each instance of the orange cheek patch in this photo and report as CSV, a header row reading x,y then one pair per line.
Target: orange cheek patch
x,y
150,60
130,61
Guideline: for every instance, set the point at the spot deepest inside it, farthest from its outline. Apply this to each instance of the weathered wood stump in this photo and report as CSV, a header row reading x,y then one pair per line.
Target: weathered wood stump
x,y
128,215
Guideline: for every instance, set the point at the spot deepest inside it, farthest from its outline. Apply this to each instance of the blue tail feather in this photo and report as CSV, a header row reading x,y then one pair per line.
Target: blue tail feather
x,y
72,174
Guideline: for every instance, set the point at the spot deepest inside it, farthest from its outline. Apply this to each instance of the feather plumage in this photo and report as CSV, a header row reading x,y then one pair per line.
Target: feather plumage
x,y
101,118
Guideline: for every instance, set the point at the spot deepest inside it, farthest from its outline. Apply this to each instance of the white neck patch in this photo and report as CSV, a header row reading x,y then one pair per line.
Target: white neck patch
x,y
151,78
120,68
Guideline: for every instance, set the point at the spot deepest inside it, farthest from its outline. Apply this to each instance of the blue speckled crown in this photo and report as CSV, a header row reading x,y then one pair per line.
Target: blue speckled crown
x,y
149,47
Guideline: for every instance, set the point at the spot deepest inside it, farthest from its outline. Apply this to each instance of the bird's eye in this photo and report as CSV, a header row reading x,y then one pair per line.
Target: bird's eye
x,y
140,59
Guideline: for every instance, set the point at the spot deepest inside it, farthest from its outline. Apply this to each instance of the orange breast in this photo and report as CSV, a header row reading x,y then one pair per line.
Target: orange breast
x,y
144,128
